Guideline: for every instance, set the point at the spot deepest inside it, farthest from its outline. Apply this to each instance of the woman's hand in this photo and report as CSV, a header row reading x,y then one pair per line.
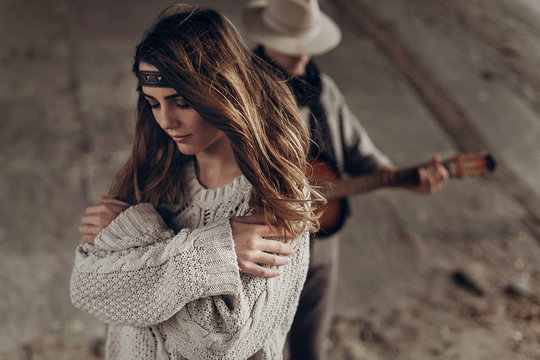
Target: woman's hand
x,y
99,216
254,249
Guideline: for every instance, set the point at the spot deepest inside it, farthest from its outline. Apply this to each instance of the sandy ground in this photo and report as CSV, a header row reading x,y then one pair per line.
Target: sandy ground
x,y
450,276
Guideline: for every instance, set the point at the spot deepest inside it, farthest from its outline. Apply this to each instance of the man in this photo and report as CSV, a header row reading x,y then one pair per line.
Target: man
x,y
290,32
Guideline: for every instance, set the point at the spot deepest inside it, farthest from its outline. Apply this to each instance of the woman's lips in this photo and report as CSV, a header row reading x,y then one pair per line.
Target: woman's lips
x,y
180,139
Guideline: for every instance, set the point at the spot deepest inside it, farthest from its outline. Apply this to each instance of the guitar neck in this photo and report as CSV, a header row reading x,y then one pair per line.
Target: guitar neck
x,y
324,175
459,166
344,187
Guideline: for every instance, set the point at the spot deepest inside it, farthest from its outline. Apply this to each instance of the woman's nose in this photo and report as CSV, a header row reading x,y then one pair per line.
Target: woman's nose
x,y
168,118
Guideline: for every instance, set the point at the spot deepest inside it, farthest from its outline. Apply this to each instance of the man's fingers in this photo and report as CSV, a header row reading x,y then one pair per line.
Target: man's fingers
x,y
432,177
443,172
423,179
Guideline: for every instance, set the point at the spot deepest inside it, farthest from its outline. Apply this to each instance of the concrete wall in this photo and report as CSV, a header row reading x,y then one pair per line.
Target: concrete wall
x,y
68,96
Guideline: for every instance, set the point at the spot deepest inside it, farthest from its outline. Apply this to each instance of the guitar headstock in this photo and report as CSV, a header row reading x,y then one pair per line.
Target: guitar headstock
x,y
471,164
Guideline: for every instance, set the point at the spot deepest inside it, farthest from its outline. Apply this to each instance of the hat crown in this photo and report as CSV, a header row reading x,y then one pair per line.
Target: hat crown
x,y
291,26
292,16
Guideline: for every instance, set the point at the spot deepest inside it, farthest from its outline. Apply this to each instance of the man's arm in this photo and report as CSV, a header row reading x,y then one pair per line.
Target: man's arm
x,y
361,156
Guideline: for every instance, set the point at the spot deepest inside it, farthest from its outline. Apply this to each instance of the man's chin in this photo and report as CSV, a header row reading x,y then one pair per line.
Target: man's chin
x,y
299,71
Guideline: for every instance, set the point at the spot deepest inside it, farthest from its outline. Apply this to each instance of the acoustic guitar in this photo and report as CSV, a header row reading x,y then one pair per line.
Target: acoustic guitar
x,y
336,190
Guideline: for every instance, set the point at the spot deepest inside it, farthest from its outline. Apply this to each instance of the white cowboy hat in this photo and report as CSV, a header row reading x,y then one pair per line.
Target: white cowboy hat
x,y
291,27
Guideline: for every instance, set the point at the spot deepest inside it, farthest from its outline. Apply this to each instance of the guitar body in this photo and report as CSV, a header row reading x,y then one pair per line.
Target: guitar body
x,y
335,211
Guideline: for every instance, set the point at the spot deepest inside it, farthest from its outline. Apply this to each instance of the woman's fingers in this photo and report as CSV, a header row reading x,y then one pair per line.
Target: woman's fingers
x,y
89,229
99,216
271,259
250,219
254,252
106,204
100,220
258,270
106,200
89,239
275,246
261,229
93,219
103,208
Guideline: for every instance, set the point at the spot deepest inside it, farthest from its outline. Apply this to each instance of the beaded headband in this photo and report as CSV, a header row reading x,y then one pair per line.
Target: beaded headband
x,y
152,78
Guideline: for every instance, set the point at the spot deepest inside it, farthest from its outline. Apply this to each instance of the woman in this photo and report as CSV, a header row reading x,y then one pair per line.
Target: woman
x,y
218,163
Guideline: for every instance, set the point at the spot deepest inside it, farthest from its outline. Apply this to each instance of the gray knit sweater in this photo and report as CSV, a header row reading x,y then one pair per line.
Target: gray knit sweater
x,y
172,290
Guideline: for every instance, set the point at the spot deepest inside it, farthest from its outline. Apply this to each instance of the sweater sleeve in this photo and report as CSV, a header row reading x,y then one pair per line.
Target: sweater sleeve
x,y
238,326
140,273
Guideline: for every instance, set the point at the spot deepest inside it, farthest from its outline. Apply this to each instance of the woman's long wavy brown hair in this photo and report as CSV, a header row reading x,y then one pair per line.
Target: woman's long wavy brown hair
x,y
205,60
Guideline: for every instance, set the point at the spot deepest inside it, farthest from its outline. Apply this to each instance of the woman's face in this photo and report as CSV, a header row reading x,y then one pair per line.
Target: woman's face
x,y
192,134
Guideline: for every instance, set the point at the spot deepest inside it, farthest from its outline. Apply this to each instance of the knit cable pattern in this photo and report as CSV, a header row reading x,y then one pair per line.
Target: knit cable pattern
x,y
171,289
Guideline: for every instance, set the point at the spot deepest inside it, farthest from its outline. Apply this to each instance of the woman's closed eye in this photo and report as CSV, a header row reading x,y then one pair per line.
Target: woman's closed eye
x,y
170,100
182,105
179,104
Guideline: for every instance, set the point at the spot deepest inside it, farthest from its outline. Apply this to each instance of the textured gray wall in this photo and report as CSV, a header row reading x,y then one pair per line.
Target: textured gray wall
x,y
67,97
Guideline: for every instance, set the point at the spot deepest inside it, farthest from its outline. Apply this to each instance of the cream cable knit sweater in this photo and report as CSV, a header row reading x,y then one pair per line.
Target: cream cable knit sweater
x,y
174,291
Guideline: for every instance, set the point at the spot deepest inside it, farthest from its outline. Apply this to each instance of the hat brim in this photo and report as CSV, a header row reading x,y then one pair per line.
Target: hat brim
x,y
322,38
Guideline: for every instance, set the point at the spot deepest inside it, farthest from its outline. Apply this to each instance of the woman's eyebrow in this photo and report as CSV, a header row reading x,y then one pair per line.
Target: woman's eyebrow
x,y
172,96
